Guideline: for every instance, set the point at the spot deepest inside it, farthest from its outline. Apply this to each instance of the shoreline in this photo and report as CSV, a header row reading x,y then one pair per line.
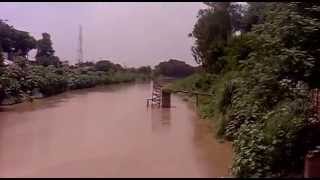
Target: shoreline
x,y
27,98
208,130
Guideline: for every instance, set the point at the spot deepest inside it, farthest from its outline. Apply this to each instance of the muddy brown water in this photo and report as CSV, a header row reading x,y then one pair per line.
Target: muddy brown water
x,y
108,132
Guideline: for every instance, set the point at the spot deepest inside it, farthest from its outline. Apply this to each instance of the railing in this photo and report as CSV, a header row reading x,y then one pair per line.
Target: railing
x,y
156,95
197,94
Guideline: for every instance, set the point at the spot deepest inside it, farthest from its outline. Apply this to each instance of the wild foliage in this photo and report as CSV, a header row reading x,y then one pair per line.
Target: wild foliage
x,y
45,53
21,80
15,42
173,68
262,82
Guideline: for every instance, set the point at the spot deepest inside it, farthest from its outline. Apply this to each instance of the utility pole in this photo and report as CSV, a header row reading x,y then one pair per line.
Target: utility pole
x,y
80,50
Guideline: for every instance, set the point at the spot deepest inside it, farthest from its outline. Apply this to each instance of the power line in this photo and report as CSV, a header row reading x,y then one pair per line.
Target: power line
x,y
80,50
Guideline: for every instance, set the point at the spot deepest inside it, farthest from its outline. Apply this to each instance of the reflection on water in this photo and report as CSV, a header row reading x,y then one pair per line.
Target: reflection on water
x,y
160,118
165,116
106,132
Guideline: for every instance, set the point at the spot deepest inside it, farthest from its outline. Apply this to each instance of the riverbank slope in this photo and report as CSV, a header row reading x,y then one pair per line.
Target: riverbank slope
x,y
28,82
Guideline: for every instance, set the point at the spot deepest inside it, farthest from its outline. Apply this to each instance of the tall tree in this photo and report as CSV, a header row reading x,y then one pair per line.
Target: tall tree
x,y
23,43
104,65
15,42
211,32
44,46
255,14
1,56
235,12
217,24
173,68
45,53
6,33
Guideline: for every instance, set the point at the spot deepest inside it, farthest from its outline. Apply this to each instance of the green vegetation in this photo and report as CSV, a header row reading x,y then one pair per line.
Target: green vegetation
x,y
261,81
20,82
45,53
173,68
24,79
15,42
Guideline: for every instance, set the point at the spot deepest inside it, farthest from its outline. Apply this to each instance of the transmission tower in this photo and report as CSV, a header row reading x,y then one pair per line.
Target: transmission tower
x,y
80,50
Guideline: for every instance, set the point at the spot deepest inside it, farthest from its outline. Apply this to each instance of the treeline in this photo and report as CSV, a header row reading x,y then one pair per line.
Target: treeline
x,y
23,79
260,60
173,68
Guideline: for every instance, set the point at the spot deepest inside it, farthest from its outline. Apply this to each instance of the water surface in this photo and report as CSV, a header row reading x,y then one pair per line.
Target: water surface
x,y
108,132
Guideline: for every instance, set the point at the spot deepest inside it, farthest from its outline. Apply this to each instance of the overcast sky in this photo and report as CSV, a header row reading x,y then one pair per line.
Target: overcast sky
x,y
132,34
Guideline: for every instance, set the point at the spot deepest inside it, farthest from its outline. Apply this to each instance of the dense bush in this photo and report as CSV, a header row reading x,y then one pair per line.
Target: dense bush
x,y
173,68
103,65
22,79
261,93
46,61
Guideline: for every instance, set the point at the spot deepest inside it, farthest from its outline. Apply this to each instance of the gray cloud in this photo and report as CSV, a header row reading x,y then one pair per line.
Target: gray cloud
x,y
128,33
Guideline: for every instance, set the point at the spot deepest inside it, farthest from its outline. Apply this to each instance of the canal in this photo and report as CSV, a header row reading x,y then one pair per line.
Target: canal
x,y
108,132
